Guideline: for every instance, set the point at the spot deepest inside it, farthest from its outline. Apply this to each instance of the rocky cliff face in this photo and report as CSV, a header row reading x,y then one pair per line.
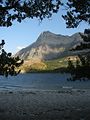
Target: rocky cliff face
x,y
50,46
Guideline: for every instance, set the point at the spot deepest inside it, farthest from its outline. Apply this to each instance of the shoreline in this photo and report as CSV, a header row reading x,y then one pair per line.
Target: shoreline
x,y
66,104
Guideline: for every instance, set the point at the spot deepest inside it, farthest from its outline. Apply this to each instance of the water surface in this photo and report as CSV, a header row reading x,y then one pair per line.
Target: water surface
x,y
41,81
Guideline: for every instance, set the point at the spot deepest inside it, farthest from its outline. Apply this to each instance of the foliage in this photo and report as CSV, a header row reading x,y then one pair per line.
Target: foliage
x,y
11,10
70,66
85,45
32,66
44,66
8,63
56,63
77,11
82,69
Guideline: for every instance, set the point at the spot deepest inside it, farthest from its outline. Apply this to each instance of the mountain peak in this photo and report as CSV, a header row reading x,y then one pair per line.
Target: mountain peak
x,y
44,36
49,46
47,37
46,32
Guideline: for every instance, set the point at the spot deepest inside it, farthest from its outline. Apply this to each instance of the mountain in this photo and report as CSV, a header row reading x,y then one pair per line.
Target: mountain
x,y
49,46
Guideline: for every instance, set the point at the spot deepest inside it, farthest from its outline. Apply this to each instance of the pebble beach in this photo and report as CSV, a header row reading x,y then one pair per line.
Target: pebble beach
x,y
65,104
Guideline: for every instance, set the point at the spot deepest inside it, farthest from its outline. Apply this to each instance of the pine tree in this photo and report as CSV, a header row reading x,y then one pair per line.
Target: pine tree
x,y
83,69
85,46
70,66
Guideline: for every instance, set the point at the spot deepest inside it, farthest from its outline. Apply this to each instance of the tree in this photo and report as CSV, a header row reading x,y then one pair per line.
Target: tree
x,y
82,69
11,10
8,64
85,46
77,11
70,65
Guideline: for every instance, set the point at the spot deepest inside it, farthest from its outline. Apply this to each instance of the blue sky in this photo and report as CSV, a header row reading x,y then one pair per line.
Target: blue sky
x,y
23,34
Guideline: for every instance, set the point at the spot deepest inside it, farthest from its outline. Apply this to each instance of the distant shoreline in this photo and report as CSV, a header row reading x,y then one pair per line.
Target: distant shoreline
x,y
59,70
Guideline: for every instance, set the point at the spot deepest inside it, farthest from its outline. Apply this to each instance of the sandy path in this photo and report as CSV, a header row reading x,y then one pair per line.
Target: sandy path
x,y
45,105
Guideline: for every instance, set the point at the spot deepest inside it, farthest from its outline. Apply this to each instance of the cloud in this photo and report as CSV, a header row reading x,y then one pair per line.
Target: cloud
x,y
20,47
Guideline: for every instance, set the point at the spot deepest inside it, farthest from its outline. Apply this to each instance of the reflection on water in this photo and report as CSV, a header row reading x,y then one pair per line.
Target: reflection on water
x,y
44,81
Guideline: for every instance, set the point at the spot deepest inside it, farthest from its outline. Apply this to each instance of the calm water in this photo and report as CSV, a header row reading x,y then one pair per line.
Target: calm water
x,y
44,81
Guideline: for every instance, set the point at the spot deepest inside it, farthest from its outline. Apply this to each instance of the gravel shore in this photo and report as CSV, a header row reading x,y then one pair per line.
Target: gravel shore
x,y
66,104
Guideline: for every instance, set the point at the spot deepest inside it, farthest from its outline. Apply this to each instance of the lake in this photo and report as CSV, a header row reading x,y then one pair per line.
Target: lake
x,y
41,81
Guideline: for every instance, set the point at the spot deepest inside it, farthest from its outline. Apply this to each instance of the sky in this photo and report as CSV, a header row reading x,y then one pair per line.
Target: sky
x,y
20,35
